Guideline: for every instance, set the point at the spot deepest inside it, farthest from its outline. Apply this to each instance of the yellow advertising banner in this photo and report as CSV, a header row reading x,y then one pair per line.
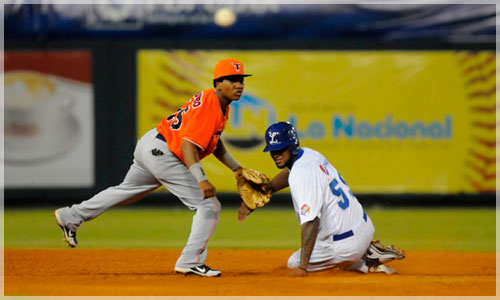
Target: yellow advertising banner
x,y
389,121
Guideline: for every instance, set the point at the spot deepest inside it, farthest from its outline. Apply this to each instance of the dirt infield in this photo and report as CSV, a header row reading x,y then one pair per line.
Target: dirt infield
x,y
150,272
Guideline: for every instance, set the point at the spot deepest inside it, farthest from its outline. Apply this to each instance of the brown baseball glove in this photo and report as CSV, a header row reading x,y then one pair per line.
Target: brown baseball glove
x,y
254,188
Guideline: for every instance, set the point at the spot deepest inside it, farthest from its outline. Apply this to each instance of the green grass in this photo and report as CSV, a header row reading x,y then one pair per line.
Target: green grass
x,y
133,227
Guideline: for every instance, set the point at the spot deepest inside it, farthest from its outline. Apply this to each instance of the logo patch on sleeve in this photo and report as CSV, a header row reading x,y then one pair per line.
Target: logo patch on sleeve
x,y
305,209
324,168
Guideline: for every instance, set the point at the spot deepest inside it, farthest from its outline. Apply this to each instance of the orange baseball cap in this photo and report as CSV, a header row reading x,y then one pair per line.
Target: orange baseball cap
x,y
229,67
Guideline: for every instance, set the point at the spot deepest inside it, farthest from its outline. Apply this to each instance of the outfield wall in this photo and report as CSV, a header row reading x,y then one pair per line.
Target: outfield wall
x,y
390,121
404,122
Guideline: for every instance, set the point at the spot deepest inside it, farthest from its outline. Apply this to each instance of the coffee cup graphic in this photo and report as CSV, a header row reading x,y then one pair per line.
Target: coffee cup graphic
x,y
39,122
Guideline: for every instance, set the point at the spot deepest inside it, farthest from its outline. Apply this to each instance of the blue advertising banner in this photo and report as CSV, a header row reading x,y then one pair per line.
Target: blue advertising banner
x,y
387,22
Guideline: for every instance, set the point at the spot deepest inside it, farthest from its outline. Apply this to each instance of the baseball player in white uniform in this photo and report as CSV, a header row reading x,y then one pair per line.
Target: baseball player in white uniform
x,y
336,231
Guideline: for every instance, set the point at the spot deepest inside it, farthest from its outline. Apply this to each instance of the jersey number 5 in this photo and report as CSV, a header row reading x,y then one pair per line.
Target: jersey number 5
x,y
337,190
177,123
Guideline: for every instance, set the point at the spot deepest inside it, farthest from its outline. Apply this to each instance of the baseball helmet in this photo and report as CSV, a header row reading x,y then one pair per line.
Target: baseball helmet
x,y
282,135
229,67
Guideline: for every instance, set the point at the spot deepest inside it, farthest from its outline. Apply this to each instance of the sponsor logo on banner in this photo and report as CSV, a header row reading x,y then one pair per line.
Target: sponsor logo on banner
x,y
352,128
349,127
250,117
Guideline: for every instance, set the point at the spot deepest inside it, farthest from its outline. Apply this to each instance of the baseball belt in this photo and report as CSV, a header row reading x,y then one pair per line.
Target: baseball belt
x,y
161,137
339,237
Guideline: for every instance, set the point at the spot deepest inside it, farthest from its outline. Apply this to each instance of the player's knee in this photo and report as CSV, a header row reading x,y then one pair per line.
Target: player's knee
x,y
217,209
212,206
294,260
293,264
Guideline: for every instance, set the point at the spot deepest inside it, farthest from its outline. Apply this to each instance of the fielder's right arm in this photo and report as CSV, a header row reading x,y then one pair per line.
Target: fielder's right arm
x,y
192,160
227,159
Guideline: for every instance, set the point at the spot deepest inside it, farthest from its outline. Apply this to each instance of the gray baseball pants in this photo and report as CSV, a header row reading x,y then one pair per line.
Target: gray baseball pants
x,y
146,174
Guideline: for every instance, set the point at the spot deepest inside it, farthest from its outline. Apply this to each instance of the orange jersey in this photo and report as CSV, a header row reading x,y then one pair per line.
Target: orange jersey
x,y
199,121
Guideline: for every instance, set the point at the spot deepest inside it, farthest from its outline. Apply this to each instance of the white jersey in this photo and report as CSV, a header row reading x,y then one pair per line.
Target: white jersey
x,y
318,190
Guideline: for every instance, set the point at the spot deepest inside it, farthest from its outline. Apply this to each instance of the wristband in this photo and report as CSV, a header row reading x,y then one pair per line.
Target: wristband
x,y
197,172
229,161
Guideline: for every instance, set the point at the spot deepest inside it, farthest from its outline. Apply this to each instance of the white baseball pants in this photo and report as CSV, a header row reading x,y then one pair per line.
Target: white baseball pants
x,y
349,251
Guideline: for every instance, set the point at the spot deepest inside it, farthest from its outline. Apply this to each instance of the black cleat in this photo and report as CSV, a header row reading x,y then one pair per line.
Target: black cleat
x,y
202,270
378,254
69,236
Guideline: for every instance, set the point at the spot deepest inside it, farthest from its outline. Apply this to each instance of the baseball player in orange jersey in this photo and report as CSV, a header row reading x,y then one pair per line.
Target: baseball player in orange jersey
x,y
169,155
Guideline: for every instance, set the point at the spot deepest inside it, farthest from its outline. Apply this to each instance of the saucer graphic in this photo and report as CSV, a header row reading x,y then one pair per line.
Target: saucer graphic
x,y
48,145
